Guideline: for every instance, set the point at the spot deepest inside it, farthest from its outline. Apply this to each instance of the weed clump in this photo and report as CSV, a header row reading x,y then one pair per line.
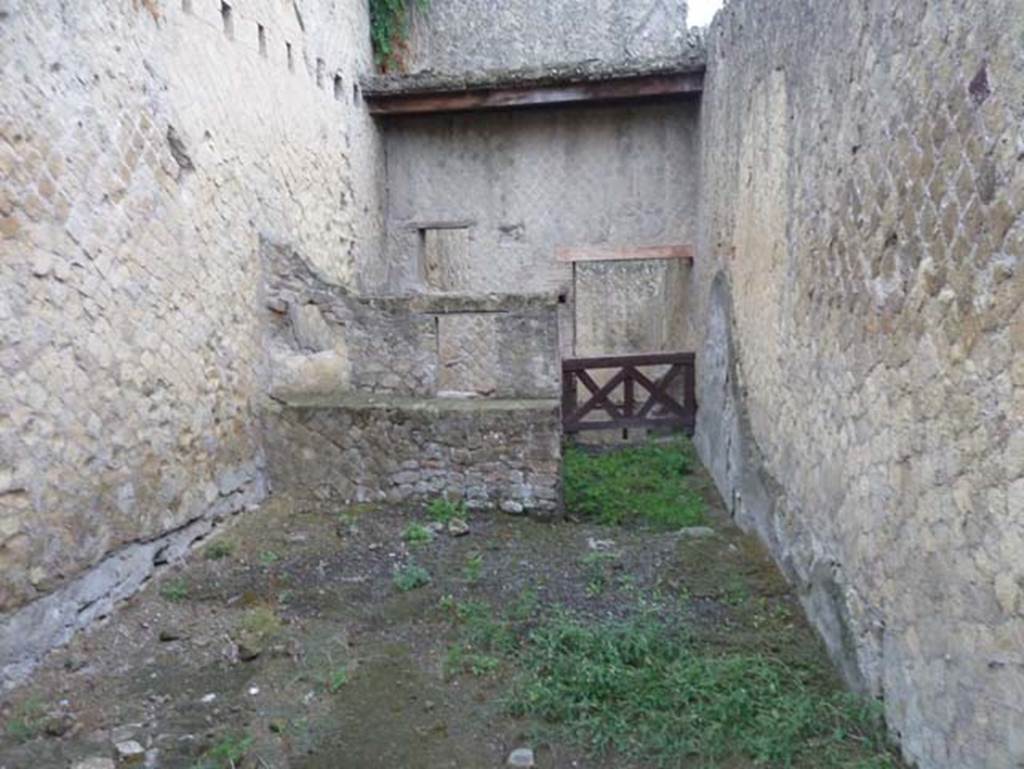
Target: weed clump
x,y
226,754
417,534
174,590
219,550
410,577
473,569
26,721
444,510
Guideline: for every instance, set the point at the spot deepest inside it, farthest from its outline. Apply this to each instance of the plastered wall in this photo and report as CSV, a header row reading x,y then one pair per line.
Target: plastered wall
x,y
145,148
860,297
512,187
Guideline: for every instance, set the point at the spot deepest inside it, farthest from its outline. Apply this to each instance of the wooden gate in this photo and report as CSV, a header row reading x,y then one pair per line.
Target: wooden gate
x,y
614,405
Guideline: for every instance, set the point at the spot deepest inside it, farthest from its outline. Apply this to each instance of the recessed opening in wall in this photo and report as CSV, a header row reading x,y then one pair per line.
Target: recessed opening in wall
x,y
227,20
444,256
186,6
339,88
319,73
290,56
261,35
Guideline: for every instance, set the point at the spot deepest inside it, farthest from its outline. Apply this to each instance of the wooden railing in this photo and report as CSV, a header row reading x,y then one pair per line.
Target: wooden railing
x,y
670,396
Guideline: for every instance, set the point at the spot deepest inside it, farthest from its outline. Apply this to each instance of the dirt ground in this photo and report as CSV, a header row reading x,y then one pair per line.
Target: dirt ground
x,y
285,639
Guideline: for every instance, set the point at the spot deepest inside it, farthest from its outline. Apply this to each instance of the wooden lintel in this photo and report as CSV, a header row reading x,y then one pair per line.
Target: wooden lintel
x,y
519,96
622,253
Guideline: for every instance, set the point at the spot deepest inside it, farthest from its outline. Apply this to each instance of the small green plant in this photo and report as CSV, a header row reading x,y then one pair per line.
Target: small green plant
x,y
219,550
26,720
410,577
474,567
226,754
336,679
175,590
417,534
443,510
269,558
643,483
389,23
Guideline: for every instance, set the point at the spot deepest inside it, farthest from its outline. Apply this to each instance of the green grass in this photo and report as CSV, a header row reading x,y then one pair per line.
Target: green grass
x,y
644,483
484,638
26,721
642,689
410,577
175,590
226,754
638,688
444,510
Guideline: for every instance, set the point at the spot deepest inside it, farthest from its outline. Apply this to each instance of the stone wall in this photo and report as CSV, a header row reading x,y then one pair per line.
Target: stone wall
x,y
861,302
470,36
145,147
495,194
493,454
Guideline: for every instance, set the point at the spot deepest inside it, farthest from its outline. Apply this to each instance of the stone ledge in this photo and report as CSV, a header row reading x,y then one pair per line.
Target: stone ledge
x,y
442,304
353,401
428,81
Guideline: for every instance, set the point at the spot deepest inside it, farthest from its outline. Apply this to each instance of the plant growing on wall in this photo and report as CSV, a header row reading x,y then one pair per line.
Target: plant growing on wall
x,y
389,26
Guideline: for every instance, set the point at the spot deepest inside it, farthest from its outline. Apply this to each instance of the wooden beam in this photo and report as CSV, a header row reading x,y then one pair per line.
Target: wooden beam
x,y
536,95
622,253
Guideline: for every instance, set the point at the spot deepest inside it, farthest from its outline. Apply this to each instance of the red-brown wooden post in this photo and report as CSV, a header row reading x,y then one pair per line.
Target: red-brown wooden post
x,y
568,395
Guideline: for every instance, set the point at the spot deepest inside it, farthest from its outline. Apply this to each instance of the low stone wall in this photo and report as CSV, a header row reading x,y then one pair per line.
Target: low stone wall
x,y
494,454
328,342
